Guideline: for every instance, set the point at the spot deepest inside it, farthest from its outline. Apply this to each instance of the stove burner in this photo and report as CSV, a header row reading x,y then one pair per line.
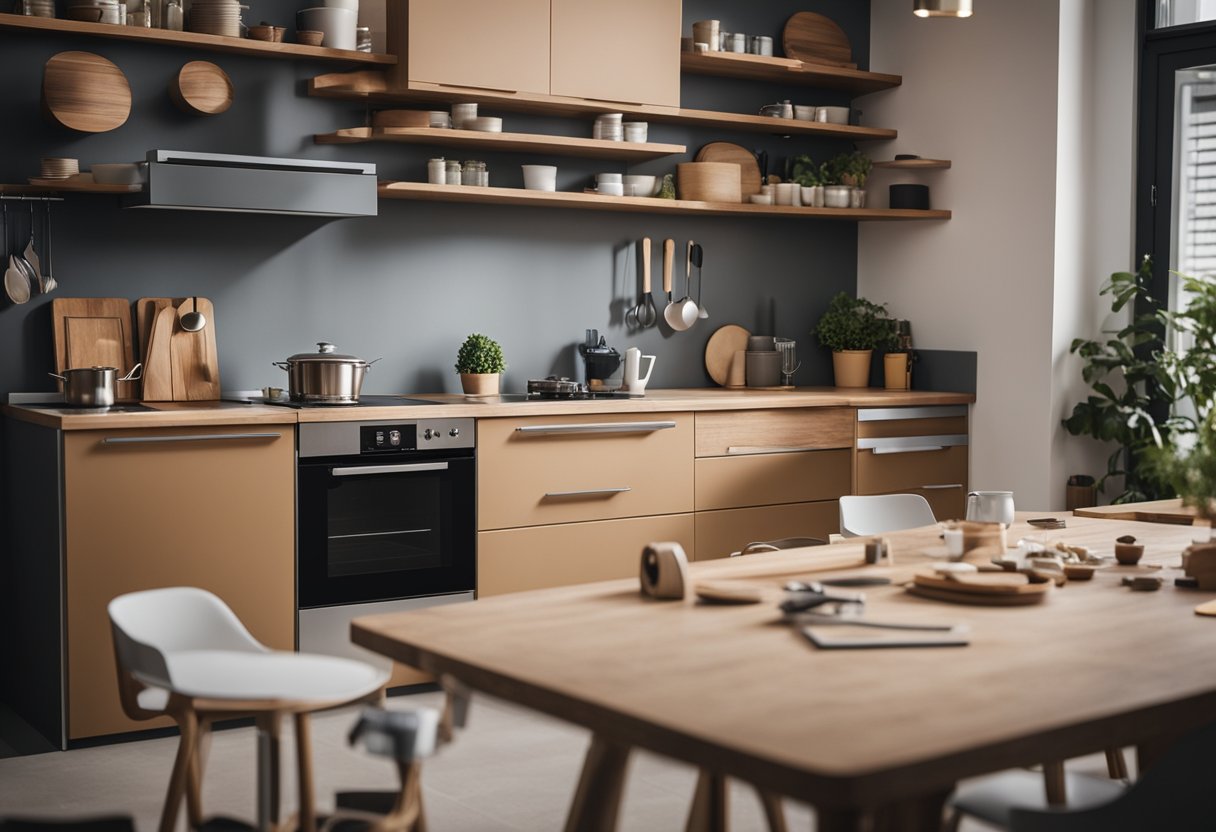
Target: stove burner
x,y
563,389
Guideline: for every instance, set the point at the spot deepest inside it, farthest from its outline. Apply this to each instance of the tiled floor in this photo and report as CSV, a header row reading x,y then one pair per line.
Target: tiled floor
x,y
511,769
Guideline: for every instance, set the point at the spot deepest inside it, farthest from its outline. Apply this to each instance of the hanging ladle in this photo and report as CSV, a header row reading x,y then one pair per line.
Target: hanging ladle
x,y
698,255
194,321
48,281
16,281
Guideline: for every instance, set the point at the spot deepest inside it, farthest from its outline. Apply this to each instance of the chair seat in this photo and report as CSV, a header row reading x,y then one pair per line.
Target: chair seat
x,y
992,799
277,676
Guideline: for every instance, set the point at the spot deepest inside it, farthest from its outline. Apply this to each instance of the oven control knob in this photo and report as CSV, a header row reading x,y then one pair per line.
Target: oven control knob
x,y
454,432
428,434
379,438
394,438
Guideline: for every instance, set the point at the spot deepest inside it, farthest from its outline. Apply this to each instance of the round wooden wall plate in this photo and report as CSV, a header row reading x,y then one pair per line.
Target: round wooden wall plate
x,y
85,92
816,39
202,88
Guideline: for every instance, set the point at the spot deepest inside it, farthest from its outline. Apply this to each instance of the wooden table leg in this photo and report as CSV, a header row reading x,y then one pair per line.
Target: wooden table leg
x,y
307,802
710,810
187,722
915,814
597,801
1054,783
774,810
268,771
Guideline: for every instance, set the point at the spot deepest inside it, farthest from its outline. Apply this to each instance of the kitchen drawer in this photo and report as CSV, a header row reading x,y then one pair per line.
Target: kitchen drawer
x,y
914,464
721,532
570,469
768,479
939,420
742,432
514,560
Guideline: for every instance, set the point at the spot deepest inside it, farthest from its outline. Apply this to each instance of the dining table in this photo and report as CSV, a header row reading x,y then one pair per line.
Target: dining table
x,y
873,739
1151,511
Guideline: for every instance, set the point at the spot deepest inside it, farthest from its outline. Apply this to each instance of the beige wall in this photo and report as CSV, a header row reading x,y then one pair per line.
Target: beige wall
x,y
1009,96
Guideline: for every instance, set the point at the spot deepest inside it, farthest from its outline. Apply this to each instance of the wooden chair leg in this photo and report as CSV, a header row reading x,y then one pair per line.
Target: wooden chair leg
x,y
1053,782
597,801
194,779
774,811
710,811
307,802
187,722
1116,764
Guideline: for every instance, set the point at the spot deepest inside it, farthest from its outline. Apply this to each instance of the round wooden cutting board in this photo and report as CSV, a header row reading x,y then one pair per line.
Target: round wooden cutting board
x,y
202,88
749,168
816,39
85,92
721,349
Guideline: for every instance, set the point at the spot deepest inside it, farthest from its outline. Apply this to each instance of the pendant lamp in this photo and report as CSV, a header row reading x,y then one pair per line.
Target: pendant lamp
x,y
941,8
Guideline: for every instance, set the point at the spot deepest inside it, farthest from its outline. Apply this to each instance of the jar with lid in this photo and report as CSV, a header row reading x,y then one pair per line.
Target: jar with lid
x,y
484,176
436,171
469,174
172,16
452,174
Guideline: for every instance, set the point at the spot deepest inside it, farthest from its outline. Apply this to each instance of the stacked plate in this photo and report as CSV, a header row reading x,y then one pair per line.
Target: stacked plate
x,y
36,8
59,168
609,127
95,11
216,17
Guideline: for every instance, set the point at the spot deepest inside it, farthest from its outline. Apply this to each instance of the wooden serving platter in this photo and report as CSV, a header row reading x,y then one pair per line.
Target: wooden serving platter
x,y
977,583
85,92
202,88
980,590
816,39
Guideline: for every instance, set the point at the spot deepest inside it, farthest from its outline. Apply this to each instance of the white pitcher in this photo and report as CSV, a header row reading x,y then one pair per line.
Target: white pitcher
x,y
991,507
634,382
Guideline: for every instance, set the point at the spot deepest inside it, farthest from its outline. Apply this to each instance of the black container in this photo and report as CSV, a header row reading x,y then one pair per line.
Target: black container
x,y
910,196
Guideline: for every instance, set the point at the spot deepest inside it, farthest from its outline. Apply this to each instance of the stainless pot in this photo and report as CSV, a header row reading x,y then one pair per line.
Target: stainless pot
x,y
93,386
324,377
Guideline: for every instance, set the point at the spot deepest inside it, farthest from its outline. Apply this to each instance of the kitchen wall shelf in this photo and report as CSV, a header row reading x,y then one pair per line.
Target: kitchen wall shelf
x,y
505,142
914,164
193,40
786,71
373,88
643,205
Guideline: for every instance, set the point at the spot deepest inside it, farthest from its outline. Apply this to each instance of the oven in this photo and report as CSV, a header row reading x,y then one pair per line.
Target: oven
x,y
386,521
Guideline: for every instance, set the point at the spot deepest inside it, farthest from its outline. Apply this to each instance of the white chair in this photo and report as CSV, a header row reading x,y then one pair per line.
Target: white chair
x,y
183,653
864,516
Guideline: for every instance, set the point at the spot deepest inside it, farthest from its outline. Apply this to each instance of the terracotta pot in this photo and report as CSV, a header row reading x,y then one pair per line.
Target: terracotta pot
x,y
479,384
852,367
895,370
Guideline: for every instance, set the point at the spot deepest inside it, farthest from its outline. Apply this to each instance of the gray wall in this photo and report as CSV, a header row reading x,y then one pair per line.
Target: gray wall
x,y
409,284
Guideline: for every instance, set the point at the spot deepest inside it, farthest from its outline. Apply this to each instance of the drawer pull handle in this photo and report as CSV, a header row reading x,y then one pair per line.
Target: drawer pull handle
x,y
597,427
202,437
898,414
958,485
590,492
909,449
910,444
734,450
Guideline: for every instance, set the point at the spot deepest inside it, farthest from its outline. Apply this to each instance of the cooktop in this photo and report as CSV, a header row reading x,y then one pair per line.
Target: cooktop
x,y
364,401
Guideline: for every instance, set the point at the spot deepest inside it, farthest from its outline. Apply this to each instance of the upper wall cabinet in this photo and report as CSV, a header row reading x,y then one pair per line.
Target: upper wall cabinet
x,y
590,60
489,44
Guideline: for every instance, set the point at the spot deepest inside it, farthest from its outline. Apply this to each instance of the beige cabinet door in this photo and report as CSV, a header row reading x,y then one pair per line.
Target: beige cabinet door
x,y
487,44
721,532
617,50
166,510
514,560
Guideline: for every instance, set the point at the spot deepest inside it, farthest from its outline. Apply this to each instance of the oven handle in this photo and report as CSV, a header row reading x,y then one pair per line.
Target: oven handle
x,y
359,470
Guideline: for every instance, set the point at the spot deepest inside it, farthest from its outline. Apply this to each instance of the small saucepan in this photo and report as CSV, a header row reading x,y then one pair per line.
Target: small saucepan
x,y
93,386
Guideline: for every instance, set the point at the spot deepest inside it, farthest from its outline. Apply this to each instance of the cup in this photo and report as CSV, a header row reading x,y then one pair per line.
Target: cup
x,y
766,46
954,542
611,189
636,131
738,42
635,383
785,193
540,177
438,118
990,507
832,115
706,31
462,114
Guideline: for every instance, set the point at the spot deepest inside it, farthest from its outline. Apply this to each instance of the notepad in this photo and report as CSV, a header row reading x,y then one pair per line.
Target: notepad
x,y
860,637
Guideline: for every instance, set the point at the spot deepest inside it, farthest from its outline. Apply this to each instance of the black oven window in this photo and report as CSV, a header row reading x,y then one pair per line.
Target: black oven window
x,y
381,524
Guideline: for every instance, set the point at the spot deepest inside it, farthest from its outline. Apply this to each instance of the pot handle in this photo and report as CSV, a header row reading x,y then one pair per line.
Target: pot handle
x,y
370,363
135,374
282,365
56,375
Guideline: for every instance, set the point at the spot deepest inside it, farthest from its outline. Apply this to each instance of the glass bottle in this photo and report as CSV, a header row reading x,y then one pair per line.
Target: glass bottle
x,y
172,17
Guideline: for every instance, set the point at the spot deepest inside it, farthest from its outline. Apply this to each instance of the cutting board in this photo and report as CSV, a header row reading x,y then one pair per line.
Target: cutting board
x,y
94,332
720,351
202,88
85,92
190,359
749,168
816,39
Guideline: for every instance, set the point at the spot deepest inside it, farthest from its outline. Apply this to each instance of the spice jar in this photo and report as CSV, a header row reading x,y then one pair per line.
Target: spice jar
x,y
452,176
436,171
468,175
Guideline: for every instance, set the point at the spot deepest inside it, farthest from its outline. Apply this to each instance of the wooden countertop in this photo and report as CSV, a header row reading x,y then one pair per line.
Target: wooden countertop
x,y
447,406
1156,511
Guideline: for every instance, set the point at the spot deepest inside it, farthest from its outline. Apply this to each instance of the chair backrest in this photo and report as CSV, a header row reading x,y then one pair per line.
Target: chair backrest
x,y
147,625
861,516
1175,794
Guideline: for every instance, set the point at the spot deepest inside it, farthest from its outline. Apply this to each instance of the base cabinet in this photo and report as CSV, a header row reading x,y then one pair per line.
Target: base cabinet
x,y
209,507
721,532
514,560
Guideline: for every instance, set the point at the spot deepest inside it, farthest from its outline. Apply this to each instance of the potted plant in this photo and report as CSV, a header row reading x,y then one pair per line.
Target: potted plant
x,y
809,176
480,363
897,361
852,328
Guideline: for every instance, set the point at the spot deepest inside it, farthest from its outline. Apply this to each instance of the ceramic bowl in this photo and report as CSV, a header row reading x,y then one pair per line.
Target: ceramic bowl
x,y
836,196
761,199
611,189
637,184
484,124
804,112
261,33
309,37
353,5
540,177
336,25
832,115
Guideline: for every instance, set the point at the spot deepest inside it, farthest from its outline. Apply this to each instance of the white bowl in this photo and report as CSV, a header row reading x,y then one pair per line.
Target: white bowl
x,y
806,113
761,199
832,115
120,173
611,189
337,25
836,196
353,5
484,124
540,177
638,184
608,179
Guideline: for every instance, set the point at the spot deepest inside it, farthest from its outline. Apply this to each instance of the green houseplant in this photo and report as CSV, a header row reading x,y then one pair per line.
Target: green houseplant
x,y
480,363
852,328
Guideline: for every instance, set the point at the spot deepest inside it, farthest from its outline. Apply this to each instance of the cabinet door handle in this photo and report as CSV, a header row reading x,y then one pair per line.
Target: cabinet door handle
x,y
590,492
909,449
771,449
461,87
598,427
910,444
958,485
202,437
359,470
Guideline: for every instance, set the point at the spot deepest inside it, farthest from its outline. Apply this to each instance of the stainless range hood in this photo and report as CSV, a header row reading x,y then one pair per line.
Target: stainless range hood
x,y
257,184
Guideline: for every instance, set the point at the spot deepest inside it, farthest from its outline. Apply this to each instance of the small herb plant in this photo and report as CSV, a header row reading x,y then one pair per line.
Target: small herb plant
x,y
805,172
845,169
480,354
855,324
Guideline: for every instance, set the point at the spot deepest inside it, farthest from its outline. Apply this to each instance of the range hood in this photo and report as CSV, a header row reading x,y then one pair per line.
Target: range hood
x,y
257,184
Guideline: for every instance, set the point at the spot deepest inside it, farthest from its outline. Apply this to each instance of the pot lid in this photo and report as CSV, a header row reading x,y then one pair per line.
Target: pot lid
x,y
326,355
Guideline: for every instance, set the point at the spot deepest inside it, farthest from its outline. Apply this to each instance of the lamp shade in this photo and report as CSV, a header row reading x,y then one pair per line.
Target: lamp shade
x,y
941,8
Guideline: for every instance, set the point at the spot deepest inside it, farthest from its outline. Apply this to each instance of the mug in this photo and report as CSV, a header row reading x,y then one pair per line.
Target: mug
x,y
634,382
991,507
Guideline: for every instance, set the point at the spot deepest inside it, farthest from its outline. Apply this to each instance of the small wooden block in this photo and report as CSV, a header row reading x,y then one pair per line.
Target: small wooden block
x,y
1206,608
1143,583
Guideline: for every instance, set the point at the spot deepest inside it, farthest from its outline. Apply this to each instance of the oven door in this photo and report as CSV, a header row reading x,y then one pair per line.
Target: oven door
x,y
375,530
